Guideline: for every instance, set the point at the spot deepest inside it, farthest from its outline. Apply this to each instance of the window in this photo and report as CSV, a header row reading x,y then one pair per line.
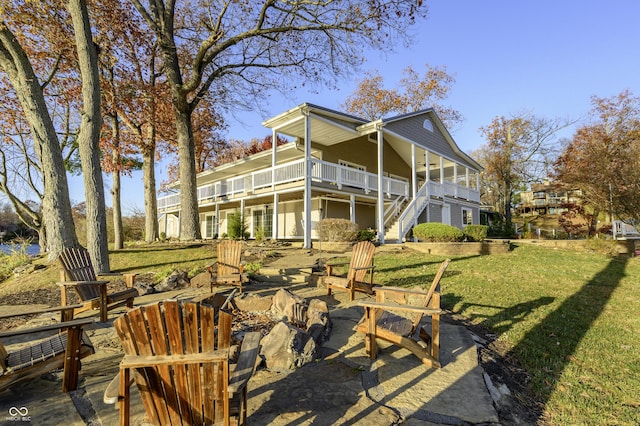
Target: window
x,y
210,229
467,217
428,125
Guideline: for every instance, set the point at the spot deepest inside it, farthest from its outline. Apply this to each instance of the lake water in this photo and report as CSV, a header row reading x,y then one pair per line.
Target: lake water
x,y
32,249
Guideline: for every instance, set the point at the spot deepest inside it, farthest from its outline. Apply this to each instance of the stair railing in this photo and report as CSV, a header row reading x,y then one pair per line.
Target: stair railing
x,y
409,216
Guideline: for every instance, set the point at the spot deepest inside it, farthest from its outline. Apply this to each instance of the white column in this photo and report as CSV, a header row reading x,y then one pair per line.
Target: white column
x,y
274,220
352,208
307,182
427,162
414,172
380,204
242,217
442,170
455,178
274,145
217,230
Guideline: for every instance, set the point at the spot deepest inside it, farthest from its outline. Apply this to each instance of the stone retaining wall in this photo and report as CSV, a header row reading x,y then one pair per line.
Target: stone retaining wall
x,y
462,248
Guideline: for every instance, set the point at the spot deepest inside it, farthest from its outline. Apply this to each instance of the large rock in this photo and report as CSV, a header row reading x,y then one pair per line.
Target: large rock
x,y
318,323
289,307
177,279
287,347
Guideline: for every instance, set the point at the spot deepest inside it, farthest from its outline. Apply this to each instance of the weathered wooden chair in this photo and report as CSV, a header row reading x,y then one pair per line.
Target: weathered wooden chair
x,y
360,267
404,330
77,272
179,356
228,269
64,348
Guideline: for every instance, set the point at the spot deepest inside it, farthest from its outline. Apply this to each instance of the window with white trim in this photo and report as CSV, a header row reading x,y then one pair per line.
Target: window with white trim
x,y
467,217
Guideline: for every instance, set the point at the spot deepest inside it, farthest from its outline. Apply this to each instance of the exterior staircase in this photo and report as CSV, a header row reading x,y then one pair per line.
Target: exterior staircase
x,y
405,215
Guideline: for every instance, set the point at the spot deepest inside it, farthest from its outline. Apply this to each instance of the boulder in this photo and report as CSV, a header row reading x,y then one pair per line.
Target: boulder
x,y
177,279
287,347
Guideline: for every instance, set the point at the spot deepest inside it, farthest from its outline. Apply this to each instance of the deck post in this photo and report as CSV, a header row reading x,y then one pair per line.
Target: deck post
x,y
380,203
307,180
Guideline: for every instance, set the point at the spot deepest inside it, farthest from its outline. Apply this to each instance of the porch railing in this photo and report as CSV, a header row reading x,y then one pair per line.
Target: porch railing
x,y
321,171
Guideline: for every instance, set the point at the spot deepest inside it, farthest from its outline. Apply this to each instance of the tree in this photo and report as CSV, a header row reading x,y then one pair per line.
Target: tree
x,y
89,137
372,101
137,101
519,151
237,51
603,158
58,41
27,87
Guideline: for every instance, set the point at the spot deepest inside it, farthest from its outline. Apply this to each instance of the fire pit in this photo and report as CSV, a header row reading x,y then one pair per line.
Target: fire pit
x,y
293,328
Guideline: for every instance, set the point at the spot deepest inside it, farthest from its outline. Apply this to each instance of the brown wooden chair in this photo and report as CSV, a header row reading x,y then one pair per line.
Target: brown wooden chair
x,y
64,346
179,356
404,330
77,272
228,269
360,267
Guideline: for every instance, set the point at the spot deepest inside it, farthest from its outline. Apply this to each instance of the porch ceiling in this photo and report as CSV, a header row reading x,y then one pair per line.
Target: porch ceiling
x,y
327,127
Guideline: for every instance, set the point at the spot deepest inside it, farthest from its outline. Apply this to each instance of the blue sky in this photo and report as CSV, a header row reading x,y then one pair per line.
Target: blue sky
x,y
545,57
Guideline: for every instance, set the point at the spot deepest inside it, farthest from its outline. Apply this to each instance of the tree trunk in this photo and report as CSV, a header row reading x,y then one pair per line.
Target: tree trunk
x,y
56,207
189,217
118,234
150,199
89,138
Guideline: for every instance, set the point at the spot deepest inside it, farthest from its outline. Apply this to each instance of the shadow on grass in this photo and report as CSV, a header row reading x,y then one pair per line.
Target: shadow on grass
x,y
551,344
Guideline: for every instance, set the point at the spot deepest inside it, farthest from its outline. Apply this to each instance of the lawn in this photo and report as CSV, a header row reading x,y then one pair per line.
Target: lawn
x,y
571,319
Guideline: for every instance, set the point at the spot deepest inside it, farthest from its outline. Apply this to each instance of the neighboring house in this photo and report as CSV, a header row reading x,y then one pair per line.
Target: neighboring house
x,y
547,198
386,175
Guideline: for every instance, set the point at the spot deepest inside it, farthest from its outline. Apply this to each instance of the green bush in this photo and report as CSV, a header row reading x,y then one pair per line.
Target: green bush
x,y
500,229
337,230
476,232
237,227
437,232
366,235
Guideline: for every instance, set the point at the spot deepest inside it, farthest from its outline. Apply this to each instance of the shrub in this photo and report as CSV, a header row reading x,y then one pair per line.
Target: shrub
x,y
366,235
437,232
237,227
500,229
337,230
476,232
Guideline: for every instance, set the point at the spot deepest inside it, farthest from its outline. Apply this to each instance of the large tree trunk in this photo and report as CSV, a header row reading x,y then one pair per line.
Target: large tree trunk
x,y
56,207
150,199
89,138
189,218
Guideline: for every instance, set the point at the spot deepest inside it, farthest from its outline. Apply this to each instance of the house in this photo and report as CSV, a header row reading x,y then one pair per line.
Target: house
x,y
547,198
387,175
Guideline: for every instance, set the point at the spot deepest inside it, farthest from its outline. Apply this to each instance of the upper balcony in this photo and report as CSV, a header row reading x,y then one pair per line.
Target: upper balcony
x,y
322,172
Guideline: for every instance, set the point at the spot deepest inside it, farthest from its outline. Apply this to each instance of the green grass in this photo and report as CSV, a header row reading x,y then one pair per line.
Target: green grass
x,y
571,319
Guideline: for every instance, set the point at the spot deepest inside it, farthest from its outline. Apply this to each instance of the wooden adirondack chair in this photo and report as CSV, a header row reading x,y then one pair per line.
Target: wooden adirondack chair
x,y
360,266
78,273
64,348
404,330
228,269
179,356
